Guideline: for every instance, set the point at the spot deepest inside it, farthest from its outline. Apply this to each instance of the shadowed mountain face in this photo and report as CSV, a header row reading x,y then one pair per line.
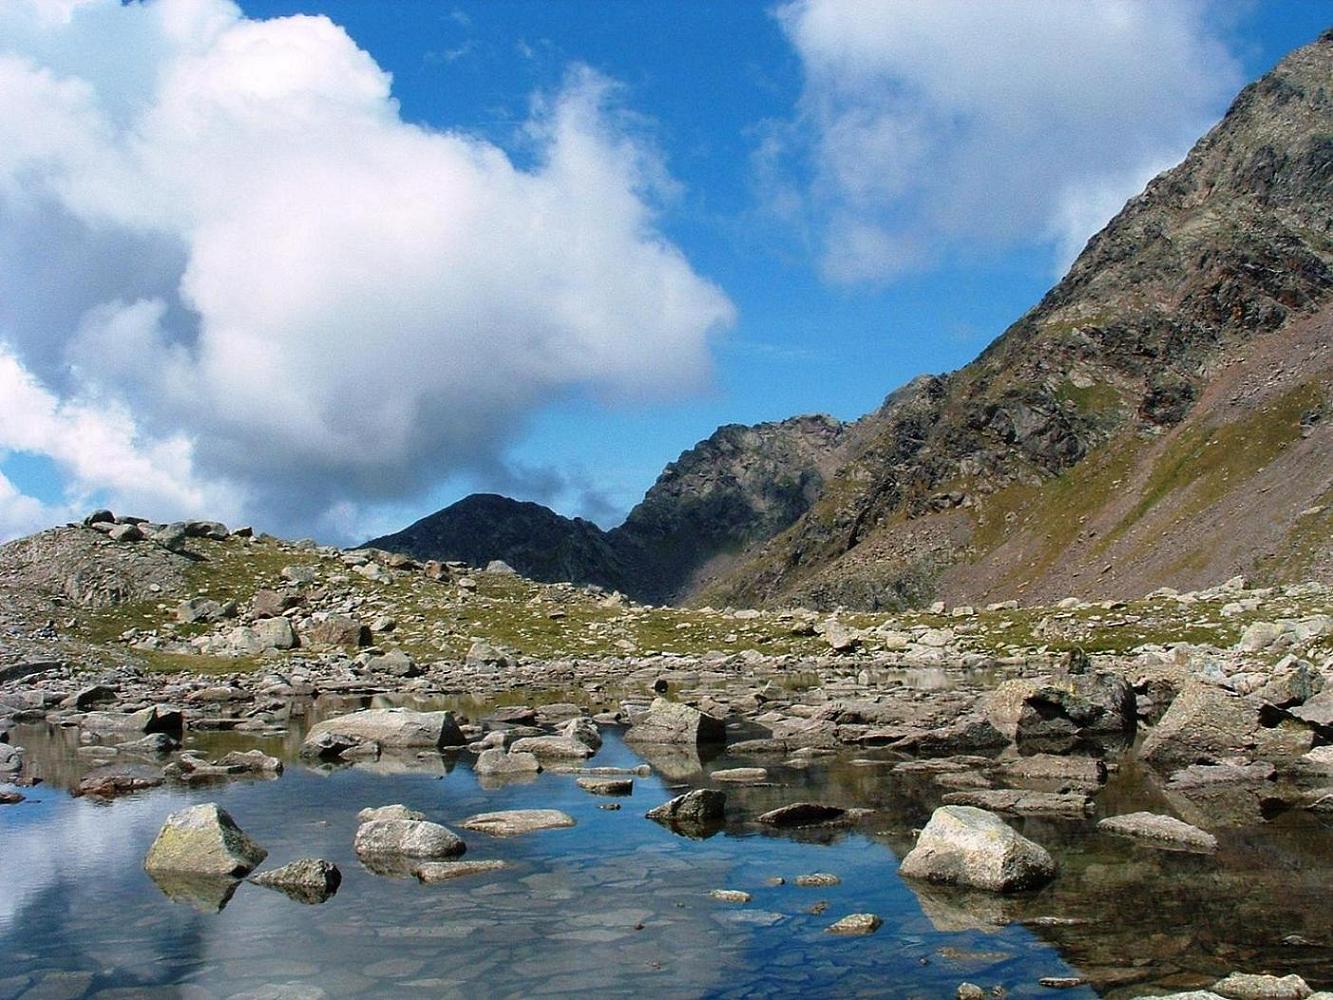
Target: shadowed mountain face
x,y
1162,417
740,486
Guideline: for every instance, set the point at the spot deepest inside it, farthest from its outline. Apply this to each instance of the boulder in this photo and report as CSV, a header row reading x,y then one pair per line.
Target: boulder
x,y
552,746
396,811
966,846
275,633
607,786
11,761
584,730
496,761
390,728
203,840
483,654
1159,831
699,807
306,880
1244,986
513,822
338,631
397,663
155,719
802,814
1206,724
671,722
1059,713
406,838
111,780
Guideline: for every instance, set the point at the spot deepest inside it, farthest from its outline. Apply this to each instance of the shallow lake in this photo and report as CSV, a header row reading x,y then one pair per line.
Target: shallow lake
x,y
620,905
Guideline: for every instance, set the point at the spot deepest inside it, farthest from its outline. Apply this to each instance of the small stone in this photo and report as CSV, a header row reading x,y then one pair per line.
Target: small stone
x,y
857,923
306,880
730,895
817,880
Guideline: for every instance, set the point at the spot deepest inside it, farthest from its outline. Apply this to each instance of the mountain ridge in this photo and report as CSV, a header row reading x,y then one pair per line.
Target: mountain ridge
x,y
1105,392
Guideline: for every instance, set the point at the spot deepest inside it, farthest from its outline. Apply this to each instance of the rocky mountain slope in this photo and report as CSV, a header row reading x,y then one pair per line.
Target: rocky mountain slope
x,y
1159,418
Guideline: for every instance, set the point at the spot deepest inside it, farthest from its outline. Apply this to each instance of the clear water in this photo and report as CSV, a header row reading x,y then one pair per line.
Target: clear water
x,y
619,905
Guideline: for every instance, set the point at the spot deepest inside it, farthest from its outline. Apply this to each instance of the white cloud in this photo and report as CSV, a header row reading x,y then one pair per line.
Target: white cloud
x,y
285,294
930,129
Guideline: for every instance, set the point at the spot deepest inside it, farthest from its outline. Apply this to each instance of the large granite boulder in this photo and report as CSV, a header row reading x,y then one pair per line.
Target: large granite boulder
x,y
671,722
966,846
389,728
1207,724
203,840
406,838
1058,713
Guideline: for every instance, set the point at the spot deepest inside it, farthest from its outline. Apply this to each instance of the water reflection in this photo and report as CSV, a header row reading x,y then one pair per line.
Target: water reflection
x,y
619,904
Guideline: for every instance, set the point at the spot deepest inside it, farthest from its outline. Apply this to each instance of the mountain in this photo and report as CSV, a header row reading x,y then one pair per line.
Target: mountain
x,y
739,486
1160,418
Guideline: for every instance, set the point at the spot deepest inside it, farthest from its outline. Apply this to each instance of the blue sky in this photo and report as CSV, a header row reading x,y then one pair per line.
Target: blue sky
x,y
837,196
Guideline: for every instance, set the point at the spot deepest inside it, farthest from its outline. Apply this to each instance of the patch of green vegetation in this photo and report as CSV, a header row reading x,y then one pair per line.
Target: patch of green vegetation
x,y
1053,511
1303,546
1096,399
1204,463
157,662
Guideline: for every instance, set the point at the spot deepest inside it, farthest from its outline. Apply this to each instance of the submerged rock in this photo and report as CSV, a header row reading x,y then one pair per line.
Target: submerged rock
x,y
552,746
963,845
395,811
741,775
111,780
1159,831
513,822
307,880
432,872
203,840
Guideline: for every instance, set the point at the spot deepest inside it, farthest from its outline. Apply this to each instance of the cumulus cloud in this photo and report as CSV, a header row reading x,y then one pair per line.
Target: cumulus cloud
x,y
222,249
929,129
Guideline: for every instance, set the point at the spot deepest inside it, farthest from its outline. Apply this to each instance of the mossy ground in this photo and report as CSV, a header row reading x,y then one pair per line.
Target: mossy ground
x,y
440,620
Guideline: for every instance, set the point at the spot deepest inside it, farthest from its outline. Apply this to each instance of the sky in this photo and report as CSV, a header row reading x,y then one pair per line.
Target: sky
x,y
325,266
